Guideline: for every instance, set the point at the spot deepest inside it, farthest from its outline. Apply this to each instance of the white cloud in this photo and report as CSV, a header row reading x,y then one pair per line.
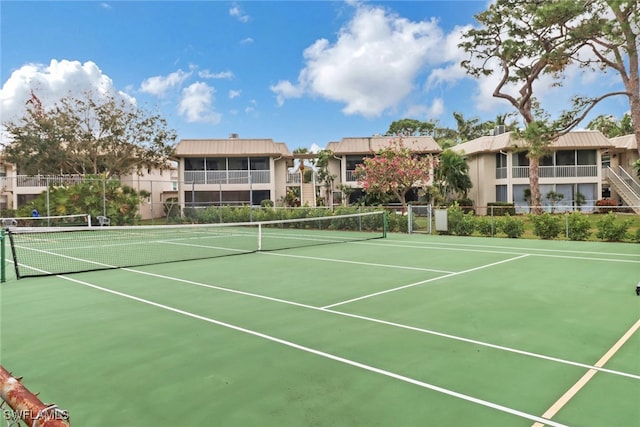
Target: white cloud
x,y
247,40
436,109
206,74
105,5
53,82
315,148
159,85
372,65
238,13
197,104
285,89
451,56
252,106
234,93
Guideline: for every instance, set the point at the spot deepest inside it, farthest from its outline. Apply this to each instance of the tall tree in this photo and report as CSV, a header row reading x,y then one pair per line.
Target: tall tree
x,y
610,126
611,30
90,135
411,127
468,129
394,170
523,41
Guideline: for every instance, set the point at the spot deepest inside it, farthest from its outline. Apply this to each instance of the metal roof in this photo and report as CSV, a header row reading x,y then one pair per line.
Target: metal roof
x,y
419,144
231,147
626,142
506,142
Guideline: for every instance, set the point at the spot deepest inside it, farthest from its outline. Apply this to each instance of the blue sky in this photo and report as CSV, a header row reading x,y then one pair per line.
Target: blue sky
x,y
300,72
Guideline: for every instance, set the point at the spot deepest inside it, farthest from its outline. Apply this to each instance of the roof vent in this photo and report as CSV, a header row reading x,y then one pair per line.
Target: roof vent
x,y
499,130
233,136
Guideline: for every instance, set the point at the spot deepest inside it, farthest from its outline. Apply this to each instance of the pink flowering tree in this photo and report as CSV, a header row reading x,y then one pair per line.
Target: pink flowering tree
x,y
394,170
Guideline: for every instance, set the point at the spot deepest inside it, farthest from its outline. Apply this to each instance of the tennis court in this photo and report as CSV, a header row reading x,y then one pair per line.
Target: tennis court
x,y
407,330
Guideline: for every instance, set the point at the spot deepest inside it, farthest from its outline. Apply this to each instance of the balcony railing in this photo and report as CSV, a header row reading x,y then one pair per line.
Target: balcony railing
x,y
227,177
573,171
351,176
10,182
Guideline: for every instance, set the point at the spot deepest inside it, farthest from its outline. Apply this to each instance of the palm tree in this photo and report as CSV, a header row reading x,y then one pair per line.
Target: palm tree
x,y
452,175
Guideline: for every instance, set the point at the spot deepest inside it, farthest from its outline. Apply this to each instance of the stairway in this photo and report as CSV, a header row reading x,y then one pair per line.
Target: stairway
x,y
308,194
626,186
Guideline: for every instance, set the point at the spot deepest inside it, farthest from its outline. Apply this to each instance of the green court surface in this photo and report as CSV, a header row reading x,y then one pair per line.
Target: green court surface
x,y
410,330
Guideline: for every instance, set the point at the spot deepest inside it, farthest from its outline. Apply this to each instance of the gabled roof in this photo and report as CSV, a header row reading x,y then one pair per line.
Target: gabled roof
x,y
366,145
506,142
627,142
231,147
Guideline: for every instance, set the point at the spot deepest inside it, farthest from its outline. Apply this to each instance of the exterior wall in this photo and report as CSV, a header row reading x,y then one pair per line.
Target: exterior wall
x,y
482,173
161,184
279,179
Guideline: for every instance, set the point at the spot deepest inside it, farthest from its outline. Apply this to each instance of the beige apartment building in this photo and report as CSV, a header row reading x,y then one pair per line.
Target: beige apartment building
x,y
234,171
584,162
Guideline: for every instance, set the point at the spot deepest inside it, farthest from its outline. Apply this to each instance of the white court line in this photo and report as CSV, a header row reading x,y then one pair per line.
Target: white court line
x,y
371,264
375,294
565,398
384,322
476,248
374,320
330,356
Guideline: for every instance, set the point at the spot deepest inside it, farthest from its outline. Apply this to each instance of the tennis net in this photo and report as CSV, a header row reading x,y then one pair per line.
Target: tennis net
x,y
75,220
48,251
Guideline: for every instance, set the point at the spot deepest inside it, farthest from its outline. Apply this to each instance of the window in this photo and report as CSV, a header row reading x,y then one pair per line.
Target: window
x,y
353,161
546,160
216,163
259,163
238,163
194,164
501,193
587,157
566,158
520,159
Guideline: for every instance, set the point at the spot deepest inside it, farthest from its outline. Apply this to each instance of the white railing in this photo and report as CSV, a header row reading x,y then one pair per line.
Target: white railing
x,y
228,177
351,176
43,180
294,178
571,171
501,173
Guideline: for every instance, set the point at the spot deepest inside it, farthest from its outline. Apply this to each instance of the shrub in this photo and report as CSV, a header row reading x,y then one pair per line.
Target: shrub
x,y
485,226
511,226
636,237
546,226
501,208
579,226
611,230
466,205
460,223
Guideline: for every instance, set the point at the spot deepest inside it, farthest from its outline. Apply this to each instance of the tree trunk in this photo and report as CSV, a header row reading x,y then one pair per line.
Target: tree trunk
x,y
534,177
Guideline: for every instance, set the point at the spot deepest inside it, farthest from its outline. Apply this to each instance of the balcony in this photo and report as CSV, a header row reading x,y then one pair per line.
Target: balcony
x,y
228,177
351,176
572,171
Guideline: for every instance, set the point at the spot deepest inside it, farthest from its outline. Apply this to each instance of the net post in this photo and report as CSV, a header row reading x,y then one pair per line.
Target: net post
x,y
3,268
259,236
385,223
